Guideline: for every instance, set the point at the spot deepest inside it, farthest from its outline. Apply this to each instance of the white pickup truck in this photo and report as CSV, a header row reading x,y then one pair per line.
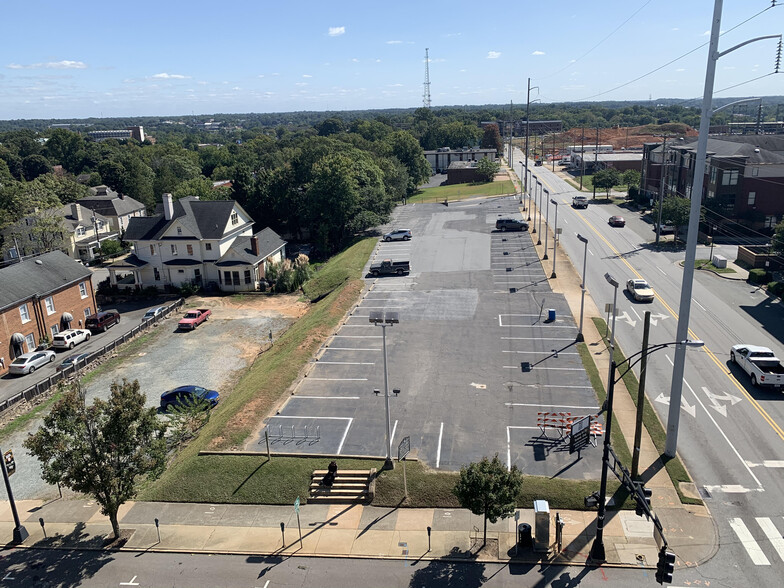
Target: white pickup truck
x,y
760,363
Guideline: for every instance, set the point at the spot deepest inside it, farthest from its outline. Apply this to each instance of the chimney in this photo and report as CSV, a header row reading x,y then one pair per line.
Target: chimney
x,y
254,245
121,196
168,206
76,211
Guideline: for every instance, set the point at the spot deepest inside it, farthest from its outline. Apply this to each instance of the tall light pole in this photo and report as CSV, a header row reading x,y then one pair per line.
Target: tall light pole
x,y
528,127
522,187
546,222
684,311
529,199
20,533
534,181
539,210
383,320
580,336
555,236
597,553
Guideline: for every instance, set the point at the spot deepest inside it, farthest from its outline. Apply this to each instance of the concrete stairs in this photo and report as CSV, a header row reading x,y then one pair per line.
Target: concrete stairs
x,y
351,486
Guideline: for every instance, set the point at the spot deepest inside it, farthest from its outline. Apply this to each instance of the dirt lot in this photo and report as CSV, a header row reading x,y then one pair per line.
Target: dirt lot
x,y
214,356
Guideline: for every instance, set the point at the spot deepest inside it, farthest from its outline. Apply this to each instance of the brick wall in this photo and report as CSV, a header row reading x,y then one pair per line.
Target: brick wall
x,y
67,299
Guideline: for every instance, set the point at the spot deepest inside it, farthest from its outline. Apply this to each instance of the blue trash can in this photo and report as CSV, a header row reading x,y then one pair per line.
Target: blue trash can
x,y
551,315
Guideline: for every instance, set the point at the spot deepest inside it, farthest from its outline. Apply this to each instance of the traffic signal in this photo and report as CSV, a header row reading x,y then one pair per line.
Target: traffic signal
x,y
645,494
665,567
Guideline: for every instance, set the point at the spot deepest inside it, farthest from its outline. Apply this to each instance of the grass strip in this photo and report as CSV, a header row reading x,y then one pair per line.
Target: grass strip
x,y
706,264
268,379
652,424
463,191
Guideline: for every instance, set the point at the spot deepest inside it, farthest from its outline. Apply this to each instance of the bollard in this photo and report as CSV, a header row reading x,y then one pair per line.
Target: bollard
x,y
283,533
158,528
41,521
428,539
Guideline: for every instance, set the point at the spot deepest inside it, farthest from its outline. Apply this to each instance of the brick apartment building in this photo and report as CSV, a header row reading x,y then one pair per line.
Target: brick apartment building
x,y
40,297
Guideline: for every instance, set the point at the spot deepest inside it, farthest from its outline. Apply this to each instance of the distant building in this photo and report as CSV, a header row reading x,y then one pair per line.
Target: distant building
x,y
117,208
127,133
462,172
442,158
598,161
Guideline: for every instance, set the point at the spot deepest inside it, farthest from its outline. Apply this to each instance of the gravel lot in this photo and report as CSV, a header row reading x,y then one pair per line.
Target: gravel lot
x,y
214,355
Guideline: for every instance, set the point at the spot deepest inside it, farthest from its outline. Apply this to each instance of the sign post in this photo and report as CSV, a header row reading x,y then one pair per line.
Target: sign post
x,y
402,451
299,526
579,435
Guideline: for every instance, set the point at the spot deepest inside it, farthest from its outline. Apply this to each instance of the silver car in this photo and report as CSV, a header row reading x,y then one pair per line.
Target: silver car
x,y
398,235
28,362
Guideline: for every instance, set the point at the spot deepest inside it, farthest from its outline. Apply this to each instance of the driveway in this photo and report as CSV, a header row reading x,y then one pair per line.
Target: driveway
x,y
215,355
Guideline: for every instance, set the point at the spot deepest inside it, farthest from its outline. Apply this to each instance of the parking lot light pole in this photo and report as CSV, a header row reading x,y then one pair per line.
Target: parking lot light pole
x,y
383,320
597,553
20,533
539,210
546,222
555,236
534,180
580,336
522,185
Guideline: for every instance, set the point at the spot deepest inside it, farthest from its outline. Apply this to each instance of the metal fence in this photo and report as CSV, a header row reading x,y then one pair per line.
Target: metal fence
x,y
44,385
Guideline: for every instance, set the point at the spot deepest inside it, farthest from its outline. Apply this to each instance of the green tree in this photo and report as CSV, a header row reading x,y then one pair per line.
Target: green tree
x,y
631,177
34,166
488,489
487,168
777,244
102,450
491,139
605,179
110,248
330,126
64,147
406,148
677,211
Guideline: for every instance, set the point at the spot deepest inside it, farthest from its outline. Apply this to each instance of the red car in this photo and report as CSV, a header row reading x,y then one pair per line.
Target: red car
x,y
617,221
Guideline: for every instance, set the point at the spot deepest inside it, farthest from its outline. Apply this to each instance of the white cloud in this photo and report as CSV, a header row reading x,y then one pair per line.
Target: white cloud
x,y
300,83
538,53
378,61
261,75
65,64
307,76
168,76
355,60
336,31
675,29
395,85
236,88
493,54
394,42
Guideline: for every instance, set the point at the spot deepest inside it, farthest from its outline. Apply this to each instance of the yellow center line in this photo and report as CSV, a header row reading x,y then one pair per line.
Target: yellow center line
x,y
733,380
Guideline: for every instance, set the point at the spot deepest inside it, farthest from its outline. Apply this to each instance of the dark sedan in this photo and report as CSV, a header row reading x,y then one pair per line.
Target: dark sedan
x,y
188,396
73,360
617,221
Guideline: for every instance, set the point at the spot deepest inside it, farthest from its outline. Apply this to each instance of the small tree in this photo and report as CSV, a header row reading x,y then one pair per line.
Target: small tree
x,y
777,243
631,177
491,139
101,450
487,488
606,179
110,247
677,211
187,416
487,168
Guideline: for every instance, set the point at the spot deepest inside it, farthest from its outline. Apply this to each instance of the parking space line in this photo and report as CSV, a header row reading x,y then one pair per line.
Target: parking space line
x,y
357,336
328,397
540,325
537,338
438,455
541,352
552,406
391,439
349,362
339,379
517,367
354,349
343,439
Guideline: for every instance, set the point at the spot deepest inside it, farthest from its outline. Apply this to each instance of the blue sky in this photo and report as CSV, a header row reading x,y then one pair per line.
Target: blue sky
x,y
89,58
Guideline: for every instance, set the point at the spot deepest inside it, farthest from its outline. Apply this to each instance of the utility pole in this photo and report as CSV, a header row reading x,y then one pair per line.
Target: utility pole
x,y
662,178
582,158
527,128
553,154
595,161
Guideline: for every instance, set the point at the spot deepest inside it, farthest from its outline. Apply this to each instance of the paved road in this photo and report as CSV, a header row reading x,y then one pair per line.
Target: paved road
x,y
730,433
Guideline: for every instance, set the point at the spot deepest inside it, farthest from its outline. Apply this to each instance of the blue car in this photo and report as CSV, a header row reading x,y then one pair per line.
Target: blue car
x,y
185,395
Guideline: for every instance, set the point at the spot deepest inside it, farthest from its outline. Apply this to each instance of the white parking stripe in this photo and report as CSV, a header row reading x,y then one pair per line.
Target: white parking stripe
x,y
772,534
543,352
748,542
339,379
353,349
346,362
552,406
438,455
517,367
343,439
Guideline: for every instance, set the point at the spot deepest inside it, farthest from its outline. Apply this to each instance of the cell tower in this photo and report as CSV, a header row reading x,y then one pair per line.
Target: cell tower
x,y
426,95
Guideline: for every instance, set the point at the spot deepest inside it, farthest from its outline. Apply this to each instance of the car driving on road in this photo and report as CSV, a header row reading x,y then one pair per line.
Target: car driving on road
x,y
27,363
617,221
640,290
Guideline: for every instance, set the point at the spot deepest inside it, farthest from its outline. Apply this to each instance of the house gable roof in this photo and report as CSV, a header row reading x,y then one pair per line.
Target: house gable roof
x,y
240,251
39,275
107,202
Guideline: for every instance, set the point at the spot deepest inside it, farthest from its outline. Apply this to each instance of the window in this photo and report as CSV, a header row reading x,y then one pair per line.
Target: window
x,y
49,302
83,289
30,341
234,218
157,274
24,313
190,249
179,230
227,278
247,276
174,249
729,177
100,225
236,276
87,312
208,246
770,222
152,249
80,231
752,198
55,329
711,193
713,174
754,171
180,271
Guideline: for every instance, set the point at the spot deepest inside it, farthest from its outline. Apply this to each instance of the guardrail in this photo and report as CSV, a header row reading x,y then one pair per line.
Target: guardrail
x,y
44,385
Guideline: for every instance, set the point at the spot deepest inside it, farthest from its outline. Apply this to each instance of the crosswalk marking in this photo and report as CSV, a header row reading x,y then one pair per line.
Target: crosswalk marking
x,y
748,542
772,534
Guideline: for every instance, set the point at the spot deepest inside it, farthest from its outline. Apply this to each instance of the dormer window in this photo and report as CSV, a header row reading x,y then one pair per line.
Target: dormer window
x,y
235,218
179,230
80,231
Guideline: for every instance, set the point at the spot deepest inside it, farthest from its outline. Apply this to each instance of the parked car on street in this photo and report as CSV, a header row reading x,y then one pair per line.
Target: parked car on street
x,y
27,363
617,221
640,290
188,395
398,235
153,312
73,360
98,323
511,224
70,338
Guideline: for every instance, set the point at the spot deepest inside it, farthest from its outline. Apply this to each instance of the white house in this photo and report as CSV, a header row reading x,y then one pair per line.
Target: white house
x,y
118,208
205,242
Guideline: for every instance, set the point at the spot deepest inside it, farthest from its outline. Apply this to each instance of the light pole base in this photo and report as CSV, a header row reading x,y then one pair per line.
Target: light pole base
x,y
552,275
545,255
597,555
580,338
388,464
20,534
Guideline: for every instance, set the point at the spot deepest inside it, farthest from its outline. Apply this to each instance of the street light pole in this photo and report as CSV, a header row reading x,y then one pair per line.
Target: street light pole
x,y
555,236
539,210
529,197
20,533
580,336
522,188
546,223
534,181
384,320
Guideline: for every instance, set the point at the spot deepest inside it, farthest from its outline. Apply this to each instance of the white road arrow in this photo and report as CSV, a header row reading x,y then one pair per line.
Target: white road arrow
x,y
716,399
689,408
625,317
660,316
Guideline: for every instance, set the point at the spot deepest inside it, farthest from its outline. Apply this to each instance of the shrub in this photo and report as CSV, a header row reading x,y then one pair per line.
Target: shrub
x,y
758,276
188,289
287,276
776,288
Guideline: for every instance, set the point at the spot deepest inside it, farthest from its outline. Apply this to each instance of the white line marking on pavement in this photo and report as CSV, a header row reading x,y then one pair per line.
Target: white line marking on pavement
x,y
328,397
732,489
438,455
357,336
772,534
747,540
661,270
354,348
508,450
637,314
537,338
343,439
266,584
552,406
591,252
517,367
394,428
545,352
346,362
131,583
698,304
339,379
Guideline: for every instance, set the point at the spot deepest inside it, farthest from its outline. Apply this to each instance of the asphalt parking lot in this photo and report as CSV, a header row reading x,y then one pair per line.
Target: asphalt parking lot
x,y
474,308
